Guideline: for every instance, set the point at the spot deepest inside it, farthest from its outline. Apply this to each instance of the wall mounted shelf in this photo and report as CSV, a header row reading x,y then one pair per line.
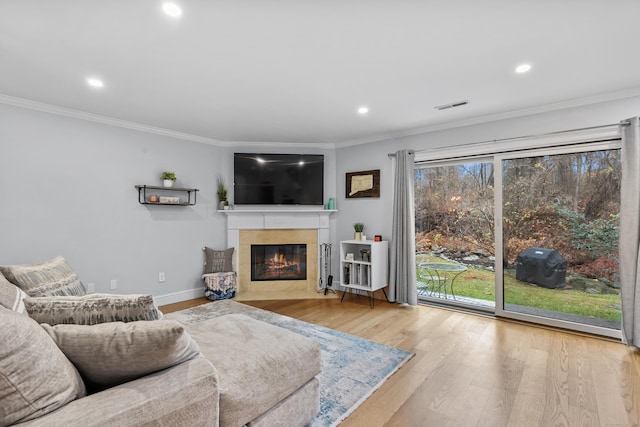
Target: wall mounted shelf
x,y
144,200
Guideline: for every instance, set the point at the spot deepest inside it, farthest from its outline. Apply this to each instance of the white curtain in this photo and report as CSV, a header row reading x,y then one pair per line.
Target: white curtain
x,y
402,281
630,231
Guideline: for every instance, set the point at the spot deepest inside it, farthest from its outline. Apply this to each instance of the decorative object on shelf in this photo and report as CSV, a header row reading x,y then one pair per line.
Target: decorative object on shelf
x,y
377,238
168,178
359,228
332,203
349,257
365,254
222,191
363,184
172,200
169,200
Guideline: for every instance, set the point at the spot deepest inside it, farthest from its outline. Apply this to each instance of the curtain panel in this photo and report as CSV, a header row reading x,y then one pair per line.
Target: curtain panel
x,y
402,281
630,232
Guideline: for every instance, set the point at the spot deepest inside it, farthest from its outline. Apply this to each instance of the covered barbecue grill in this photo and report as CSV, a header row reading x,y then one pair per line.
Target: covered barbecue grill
x,y
542,267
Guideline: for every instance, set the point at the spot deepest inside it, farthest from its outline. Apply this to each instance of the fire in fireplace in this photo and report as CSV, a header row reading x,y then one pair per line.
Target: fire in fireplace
x,y
279,262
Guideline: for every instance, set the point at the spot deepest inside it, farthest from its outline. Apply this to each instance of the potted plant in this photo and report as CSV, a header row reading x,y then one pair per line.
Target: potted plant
x,y
359,228
168,178
223,203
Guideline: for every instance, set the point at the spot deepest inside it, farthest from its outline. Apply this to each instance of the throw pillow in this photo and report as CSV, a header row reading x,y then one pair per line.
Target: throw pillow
x,y
11,296
114,353
49,278
217,261
35,376
92,309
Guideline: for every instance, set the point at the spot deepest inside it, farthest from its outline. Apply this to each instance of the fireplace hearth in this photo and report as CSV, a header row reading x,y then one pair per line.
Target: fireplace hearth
x,y
279,262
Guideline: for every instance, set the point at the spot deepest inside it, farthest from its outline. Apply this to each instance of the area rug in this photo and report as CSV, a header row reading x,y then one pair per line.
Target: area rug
x,y
352,368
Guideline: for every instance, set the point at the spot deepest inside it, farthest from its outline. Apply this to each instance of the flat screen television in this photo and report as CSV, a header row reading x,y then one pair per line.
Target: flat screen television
x,y
278,179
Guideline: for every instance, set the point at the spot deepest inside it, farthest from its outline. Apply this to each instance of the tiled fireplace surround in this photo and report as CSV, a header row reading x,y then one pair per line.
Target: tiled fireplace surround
x,y
270,227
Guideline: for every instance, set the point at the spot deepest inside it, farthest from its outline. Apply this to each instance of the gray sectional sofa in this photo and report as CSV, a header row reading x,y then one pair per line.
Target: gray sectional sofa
x,y
79,368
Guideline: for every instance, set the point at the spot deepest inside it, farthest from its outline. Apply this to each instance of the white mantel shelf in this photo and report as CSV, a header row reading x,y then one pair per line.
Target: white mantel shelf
x,y
251,211
247,219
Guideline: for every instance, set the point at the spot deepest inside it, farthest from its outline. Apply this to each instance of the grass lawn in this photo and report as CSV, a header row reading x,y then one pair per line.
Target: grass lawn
x,y
480,283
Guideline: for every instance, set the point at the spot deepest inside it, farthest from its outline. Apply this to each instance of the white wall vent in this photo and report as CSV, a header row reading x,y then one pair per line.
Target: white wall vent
x,y
452,105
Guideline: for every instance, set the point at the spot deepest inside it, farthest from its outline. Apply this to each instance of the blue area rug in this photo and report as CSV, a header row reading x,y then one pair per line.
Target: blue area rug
x,y
352,368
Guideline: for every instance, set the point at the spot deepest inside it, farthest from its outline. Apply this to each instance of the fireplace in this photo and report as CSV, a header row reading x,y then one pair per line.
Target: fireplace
x,y
278,262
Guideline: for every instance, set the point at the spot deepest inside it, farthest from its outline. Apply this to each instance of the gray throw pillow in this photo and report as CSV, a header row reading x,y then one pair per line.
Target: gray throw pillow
x,y
11,296
48,278
114,353
35,376
92,309
217,261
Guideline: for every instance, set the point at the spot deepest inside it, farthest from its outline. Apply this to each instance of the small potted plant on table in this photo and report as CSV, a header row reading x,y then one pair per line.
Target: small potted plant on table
x,y
168,178
223,203
359,228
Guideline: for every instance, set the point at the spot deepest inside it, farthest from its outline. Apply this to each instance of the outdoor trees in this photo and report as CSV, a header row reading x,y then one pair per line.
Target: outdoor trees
x,y
454,205
567,202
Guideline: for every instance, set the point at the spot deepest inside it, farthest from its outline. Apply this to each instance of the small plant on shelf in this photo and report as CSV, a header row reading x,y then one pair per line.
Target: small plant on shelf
x,y
168,178
359,228
222,193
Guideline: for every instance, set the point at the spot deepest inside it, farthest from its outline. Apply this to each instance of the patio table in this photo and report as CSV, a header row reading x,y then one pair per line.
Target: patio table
x,y
441,274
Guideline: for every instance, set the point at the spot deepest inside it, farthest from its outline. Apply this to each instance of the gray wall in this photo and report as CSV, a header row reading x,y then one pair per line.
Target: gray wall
x,y
67,188
376,214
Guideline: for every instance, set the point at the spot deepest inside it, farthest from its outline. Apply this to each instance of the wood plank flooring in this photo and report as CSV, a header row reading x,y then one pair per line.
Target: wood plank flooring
x,y
472,370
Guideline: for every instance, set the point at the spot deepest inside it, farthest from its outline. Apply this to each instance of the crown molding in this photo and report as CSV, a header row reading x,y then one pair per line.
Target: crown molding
x,y
76,114
263,144
578,102
54,109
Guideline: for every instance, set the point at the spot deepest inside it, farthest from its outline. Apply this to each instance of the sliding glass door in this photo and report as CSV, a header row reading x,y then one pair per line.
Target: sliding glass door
x,y
559,227
455,239
529,235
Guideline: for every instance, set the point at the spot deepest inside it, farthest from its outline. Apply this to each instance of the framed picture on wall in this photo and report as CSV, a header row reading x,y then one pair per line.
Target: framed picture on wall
x,y
362,184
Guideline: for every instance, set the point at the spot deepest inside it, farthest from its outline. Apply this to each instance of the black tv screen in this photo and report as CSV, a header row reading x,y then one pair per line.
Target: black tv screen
x,y
278,179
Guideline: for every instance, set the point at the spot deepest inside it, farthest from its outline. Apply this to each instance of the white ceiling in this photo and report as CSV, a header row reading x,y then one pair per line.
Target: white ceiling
x,y
295,71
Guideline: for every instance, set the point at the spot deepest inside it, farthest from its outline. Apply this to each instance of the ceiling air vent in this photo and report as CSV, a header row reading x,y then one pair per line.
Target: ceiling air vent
x,y
452,105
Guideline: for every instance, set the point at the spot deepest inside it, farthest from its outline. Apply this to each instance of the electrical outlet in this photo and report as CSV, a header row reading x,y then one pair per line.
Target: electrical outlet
x,y
114,284
91,288
161,277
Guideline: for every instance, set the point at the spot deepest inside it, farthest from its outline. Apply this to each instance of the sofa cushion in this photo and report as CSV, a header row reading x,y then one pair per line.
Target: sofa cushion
x,y
114,353
217,261
11,296
302,406
52,277
35,376
255,374
92,309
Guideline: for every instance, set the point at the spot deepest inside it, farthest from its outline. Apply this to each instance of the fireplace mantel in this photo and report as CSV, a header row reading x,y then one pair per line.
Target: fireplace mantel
x,y
277,218
247,220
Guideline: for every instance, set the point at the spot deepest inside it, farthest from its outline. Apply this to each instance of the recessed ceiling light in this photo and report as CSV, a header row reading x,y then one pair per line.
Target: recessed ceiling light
x,y
93,82
172,9
363,110
523,68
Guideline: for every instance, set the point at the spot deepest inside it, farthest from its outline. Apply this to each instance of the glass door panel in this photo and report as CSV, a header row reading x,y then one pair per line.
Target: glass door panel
x,y
560,217
455,241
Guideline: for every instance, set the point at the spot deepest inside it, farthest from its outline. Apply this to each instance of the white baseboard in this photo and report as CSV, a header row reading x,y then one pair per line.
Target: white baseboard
x,y
179,296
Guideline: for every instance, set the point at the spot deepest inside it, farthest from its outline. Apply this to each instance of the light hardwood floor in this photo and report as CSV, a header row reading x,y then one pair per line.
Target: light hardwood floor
x,y
472,370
